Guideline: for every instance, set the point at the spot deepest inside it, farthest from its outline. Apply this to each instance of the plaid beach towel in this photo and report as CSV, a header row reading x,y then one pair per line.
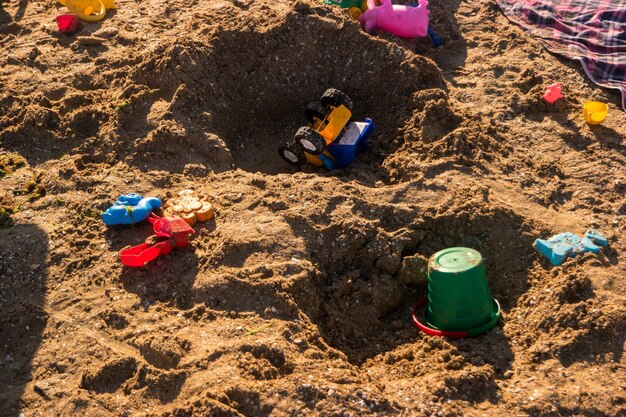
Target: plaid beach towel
x,y
590,31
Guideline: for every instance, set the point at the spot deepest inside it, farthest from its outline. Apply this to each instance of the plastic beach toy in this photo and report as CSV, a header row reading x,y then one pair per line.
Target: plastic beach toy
x,y
351,143
173,228
595,112
356,7
559,247
89,10
459,302
130,208
433,36
330,139
553,93
191,206
402,21
67,23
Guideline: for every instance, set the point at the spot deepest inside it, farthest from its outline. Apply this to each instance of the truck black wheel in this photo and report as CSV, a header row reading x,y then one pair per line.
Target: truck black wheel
x,y
335,98
310,140
315,110
291,152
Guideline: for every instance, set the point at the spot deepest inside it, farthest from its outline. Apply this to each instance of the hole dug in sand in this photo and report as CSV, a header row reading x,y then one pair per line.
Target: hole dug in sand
x,y
246,87
372,272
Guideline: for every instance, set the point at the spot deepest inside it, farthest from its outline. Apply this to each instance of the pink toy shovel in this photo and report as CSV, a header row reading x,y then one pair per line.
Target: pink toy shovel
x,y
553,93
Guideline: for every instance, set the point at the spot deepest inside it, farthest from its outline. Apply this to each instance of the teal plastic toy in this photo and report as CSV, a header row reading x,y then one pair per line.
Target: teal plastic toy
x,y
559,247
130,208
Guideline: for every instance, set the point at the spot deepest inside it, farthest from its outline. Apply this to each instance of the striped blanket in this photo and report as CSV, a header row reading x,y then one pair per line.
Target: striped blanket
x,y
590,31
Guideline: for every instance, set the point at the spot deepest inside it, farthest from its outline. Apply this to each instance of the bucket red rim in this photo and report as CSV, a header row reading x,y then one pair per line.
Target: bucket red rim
x,y
451,334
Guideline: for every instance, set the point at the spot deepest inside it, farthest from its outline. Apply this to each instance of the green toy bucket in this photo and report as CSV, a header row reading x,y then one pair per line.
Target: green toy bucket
x,y
459,302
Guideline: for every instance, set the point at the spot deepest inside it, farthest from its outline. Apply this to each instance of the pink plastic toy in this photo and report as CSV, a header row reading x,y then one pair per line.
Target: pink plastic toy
x,y
553,93
402,21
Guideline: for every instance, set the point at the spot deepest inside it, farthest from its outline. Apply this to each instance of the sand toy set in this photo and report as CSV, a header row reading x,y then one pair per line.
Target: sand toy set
x,y
172,231
266,208
594,112
459,302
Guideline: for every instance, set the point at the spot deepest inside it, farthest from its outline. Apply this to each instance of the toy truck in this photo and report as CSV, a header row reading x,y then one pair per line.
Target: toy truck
x,y
330,139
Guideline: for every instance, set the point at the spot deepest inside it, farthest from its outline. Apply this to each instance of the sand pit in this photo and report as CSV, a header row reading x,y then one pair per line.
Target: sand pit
x,y
295,299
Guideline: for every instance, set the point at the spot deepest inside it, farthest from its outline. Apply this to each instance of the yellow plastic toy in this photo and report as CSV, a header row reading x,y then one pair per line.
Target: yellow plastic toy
x,y
327,118
355,7
595,112
191,206
329,129
89,10
355,12
333,124
330,139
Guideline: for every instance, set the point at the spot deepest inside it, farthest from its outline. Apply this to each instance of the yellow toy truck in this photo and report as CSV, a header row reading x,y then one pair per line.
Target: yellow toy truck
x,y
329,139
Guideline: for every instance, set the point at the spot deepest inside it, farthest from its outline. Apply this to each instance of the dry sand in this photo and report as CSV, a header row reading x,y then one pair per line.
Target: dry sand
x,y
295,300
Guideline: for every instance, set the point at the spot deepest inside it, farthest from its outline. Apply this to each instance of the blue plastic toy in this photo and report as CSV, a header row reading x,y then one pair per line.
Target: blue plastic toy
x,y
130,208
351,143
436,39
560,246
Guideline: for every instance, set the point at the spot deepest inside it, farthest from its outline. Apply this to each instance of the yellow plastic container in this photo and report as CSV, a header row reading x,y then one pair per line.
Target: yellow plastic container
x,y
89,10
595,112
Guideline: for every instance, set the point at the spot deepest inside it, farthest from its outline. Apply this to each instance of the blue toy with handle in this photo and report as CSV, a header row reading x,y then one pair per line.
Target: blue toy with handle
x,y
130,208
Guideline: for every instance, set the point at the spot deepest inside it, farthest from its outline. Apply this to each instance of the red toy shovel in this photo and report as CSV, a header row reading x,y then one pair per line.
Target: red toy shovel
x,y
174,229
139,255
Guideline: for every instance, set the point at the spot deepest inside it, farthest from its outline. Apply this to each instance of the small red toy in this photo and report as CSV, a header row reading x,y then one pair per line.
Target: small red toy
x,y
67,23
173,228
553,93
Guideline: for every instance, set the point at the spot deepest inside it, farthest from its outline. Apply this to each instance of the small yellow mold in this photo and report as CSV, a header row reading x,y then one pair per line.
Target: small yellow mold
x,y
191,206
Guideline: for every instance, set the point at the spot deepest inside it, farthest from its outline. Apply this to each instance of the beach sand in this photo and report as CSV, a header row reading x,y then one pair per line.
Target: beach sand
x,y
295,300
